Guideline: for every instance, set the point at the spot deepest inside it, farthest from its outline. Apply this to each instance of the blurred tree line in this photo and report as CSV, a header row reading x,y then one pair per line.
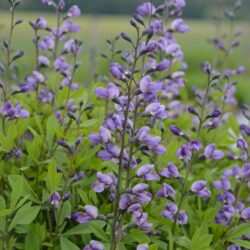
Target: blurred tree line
x,y
194,9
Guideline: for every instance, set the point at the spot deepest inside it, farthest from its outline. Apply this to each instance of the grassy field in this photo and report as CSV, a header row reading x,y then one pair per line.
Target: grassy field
x,y
96,29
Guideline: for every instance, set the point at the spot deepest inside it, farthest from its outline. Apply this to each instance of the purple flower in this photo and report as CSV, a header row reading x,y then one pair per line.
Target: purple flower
x,y
244,128
102,137
41,23
43,61
194,145
142,247
157,110
47,43
163,65
94,245
234,247
242,144
211,153
67,196
175,130
170,171
166,191
146,9
91,213
199,188
104,181
47,2
68,26
226,198
117,71
12,112
110,93
225,215
179,26
149,89
54,199
146,172
72,46
44,96
74,11
141,221
77,177
183,153
170,211
245,214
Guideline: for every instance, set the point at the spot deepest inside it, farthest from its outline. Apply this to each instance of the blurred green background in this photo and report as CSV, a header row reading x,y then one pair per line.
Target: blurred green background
x,y
103,19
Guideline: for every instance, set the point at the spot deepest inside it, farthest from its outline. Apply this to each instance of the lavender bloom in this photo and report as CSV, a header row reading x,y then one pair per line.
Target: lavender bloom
x,y
54,199
110,93
175,130
211,153
170,172
44,96
179,26
43,61
94,245
146,9
77,177
157,110
67,196
163,65
245,129
149,89
234,247
91,213
199,188
74,11
40,23
166,191
225,215
146,172
47,2
10,111
142,247
69,27
72,46
102,137
104,181
47,43
183,153
245,214
170,213
226,198
242,144
141,221
117,71
194,145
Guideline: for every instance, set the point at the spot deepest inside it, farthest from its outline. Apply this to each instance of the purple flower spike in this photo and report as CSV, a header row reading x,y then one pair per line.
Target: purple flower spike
x,y
91,213
225,215
199,188
74,11
117,71
94,245
245,214
146,9
184,153
170,172
179,26
194,145
211,153
142,247
166,191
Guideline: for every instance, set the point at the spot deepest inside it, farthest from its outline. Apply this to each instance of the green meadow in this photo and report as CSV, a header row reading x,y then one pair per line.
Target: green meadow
x,y
96,29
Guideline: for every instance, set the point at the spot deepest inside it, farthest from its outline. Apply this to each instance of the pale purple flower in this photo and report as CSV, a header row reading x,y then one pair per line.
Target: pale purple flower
x,y
146,9
157,110
72,46
146,172
117,71
68,26
234,247
54,199
108,93
242,144
225,215
175,130
102,137
226,198
44,96
12,111
104,181
43,61
245,214
166,191
77,177
41,23
179,26
170,171
199,188
94,245
91,213
183,153
142,247
163,65
74,11
47,43
211,153
170,211
194,145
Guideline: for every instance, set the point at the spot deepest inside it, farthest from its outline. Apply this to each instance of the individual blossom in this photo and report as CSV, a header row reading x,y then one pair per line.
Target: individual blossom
x,y
183,153
199,188
94,245
245,214
54,199
211,153
11,111
43,61
234,247
72,46
170,213
44,96
102,137
70,27
225,215
146,9
74,11
91,213
156,110
241,144
142,247
146,172
166,191
104,181
170,171
110,92
117,71
47,43
194,145
77,177
179,26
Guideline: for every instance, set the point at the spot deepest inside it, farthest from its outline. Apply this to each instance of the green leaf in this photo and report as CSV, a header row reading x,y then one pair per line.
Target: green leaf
x,y
184,242
5,212
67,245
241,230
53,177
16,192
32,240
242,243
25,215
